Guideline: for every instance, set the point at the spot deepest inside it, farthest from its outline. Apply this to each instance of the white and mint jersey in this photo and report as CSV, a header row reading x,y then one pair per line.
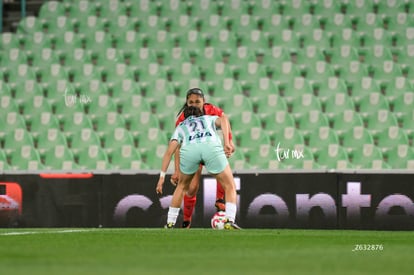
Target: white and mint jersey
x,y
195,130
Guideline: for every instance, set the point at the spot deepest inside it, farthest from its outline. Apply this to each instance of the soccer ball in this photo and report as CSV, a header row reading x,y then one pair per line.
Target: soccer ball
x,y
218,220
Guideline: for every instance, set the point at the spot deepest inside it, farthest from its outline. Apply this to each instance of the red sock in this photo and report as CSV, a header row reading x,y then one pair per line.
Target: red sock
x,y
219,192
189,204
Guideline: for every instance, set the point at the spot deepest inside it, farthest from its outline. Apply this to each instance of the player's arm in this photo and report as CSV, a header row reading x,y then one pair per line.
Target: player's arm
x,y
172,147
223,123
229,126
176,175
231,150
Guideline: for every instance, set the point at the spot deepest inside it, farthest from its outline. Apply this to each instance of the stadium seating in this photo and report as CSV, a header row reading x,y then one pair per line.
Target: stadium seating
x,y
333,156
269,64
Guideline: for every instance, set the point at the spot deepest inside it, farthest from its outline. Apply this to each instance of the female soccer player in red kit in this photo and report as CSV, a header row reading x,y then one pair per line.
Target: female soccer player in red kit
x,y
195,97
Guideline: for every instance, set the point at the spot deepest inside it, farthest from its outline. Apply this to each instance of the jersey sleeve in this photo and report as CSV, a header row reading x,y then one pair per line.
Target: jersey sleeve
x,y
177,135
214,110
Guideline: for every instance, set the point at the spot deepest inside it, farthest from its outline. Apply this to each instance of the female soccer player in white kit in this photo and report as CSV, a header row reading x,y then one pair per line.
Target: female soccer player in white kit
x,y
199,143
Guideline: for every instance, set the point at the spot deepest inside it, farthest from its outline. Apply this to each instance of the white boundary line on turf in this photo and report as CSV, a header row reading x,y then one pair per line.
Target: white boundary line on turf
x,y
17,233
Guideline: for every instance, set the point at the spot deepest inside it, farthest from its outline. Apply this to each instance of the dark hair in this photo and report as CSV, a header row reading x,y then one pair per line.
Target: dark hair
x,y
195,91
192,111
192,91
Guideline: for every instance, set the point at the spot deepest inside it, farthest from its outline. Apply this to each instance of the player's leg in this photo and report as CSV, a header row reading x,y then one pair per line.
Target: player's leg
x,y
190,198
218,165
174,209
227,180
189,165
220,201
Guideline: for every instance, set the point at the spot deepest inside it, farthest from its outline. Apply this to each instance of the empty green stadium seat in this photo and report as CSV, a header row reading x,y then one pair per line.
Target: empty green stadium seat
x,y
153,159
336,21
258,89
133,104
115,140
13,57
25,158
321,137
343,122
337,103
50,139
14,74
401,157
44,58
295,88
403,104
67,42
32,107
279,119
29,24
317,72
356,138
59,158
407,120
93,157
50,73
27,89
250,140
55,26
111,10
106,123
82,8
236,104
380,120
52,9
127,158
254,39
353,72
372,103
262,158
391,137
288,39
365,86
368,22
9,40
81,140
302,105
12,121
333,156
288,137
45,120
149,141
269,103
243,120
365,156
238,161
309,55
329,87
4,165
74,122
398,88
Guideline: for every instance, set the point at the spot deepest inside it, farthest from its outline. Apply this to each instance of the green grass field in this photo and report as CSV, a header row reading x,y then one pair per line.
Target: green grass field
x,y
204,251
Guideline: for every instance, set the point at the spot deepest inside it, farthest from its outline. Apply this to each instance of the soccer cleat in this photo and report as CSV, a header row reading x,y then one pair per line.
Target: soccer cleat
x,y
169,225
186,224
220,205
229,225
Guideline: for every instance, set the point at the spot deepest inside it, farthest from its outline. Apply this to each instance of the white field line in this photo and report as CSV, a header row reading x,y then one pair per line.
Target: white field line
x,y
16,233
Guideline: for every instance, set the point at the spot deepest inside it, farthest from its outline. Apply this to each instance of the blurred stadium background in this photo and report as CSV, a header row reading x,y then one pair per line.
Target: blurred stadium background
x,y
96,85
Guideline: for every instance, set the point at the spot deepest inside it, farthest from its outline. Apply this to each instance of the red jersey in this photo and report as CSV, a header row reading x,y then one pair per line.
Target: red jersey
x,y
208,109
